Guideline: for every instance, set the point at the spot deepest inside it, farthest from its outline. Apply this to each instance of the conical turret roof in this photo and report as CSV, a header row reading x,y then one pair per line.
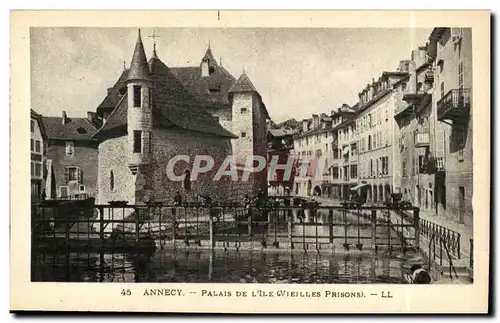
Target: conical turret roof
x,y
139,68
243,84
209,57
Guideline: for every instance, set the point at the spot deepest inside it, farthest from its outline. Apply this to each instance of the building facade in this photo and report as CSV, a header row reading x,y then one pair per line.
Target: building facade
x,y
37,149
344,153
165,117
415,142
280,148
376,125
312,146
71,157
450,50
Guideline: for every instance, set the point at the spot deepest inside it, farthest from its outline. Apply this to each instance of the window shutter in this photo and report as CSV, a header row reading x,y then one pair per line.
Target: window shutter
x,y
66,174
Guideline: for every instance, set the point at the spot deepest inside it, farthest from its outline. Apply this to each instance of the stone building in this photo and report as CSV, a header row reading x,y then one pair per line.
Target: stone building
x,y
450,51
415,144
312,145
345,153
71,156
37,149
280,148
375,130
154,113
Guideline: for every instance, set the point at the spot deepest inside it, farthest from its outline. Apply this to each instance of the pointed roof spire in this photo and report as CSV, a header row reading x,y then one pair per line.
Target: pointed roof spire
x,y
243,84
139,68
209,57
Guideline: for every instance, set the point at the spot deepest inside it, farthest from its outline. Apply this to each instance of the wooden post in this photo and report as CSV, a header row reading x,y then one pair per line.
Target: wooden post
x,y
330,225
374,229
174,225
101,223
137,210
211,230
249,217
290,234
416,224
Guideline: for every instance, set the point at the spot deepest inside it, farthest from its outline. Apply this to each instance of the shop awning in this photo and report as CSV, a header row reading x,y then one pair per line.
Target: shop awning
x,y
358,187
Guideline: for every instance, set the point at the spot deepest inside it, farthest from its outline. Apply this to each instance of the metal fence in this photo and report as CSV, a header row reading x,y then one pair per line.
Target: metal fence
x,y
450,238
308,227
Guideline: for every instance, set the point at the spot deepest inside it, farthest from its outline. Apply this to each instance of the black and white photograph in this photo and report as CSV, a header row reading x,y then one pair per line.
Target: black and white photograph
x,y
291,164
252,155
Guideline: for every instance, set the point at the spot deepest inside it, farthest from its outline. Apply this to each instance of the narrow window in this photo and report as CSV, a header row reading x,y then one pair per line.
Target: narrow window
x,y
38,169
70,148
32,125
137,141
37,146
243,134
137,96
112,181
187,180
32,145
243,110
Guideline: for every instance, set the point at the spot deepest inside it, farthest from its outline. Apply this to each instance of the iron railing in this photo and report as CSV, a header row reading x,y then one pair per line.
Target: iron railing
x,y
454,99
422,139
450,238
305,226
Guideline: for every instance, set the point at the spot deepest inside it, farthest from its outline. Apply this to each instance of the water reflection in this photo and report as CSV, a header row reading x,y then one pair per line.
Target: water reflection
x,y
222,267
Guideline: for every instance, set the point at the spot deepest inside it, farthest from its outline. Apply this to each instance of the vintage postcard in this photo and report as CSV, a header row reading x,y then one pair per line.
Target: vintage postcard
x,y
250,162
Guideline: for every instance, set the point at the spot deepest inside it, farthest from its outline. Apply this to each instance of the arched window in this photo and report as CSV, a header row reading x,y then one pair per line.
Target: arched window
x,y
187,180
112,180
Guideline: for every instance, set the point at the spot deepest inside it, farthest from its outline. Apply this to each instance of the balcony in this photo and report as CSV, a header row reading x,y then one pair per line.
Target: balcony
x,y
418,100
422,139
440,164
454,106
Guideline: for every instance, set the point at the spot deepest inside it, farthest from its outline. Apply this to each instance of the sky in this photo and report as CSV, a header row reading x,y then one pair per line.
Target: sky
x,y
297,72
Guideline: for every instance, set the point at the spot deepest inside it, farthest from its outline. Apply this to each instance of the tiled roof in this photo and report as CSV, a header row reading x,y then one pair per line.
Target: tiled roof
x,y
114,95
243,84
281,132
209,57
39,121
74,129
173,106
139,69
212,89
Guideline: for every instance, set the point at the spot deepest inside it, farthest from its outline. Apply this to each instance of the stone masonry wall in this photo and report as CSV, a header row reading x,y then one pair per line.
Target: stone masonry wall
x,y
113,158
84,156
170,142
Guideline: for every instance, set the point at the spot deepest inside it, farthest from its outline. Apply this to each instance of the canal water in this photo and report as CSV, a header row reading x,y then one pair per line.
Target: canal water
x,y
223,267
243,266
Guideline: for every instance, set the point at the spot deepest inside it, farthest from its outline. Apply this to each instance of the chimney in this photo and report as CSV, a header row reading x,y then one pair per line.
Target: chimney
x,y
403,66
419,56
304,125
64,118
91,116
109,90
315,118
204,68
412,83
